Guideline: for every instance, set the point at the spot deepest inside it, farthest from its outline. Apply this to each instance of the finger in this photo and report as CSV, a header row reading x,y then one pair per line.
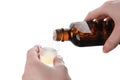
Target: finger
x,y
58,60
59,64
98,13
112,41
33,53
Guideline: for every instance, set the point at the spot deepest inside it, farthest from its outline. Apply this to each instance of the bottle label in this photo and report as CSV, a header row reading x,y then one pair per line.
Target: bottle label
x,y
81,26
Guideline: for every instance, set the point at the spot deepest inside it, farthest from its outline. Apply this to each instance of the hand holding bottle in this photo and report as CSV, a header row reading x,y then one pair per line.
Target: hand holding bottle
x,y
110,9
36,70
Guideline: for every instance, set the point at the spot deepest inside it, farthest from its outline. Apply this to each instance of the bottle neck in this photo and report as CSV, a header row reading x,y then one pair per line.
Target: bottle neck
x,y
61,35
75,29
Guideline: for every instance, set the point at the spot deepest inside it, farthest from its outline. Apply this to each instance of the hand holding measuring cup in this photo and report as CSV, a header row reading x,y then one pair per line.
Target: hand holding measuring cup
x,y
37,70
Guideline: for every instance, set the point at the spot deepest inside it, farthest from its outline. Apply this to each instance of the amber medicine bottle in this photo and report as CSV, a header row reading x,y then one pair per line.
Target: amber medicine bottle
x,y
86,33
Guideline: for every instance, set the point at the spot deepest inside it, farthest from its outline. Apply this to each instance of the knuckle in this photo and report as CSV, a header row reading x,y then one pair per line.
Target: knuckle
x,y
29,52
107,3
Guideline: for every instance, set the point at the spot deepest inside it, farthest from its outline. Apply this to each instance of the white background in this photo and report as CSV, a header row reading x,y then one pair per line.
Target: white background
x,y
25,23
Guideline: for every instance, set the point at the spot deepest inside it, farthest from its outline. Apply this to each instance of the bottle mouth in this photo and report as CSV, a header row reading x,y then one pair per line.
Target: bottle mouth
x,y
58,35
55,35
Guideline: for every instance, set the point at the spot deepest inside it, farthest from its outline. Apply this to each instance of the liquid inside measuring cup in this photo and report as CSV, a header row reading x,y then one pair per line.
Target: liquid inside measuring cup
x,y
47,55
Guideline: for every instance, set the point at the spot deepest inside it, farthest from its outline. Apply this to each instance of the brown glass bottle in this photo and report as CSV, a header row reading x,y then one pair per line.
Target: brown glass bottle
x,y
87,33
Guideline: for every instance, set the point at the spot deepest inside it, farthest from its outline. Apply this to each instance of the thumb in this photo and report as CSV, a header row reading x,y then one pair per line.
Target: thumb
x,y
59,64
58,60
112,41
33,53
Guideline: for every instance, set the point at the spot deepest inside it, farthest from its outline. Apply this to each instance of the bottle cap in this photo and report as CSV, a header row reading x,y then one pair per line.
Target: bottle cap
x,y
54,35
58,35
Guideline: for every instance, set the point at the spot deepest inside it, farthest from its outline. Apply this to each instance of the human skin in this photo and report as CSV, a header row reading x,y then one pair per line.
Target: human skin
x,y
36,70
109,10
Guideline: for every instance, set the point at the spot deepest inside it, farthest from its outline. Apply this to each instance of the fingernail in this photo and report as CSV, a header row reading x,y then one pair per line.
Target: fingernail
x,y
105,49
